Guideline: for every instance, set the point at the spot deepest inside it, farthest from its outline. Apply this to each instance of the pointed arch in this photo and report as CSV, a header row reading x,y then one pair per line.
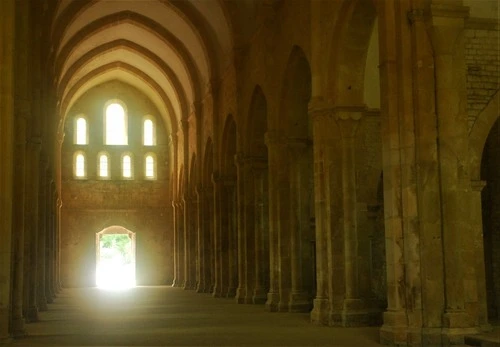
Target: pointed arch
x,y
479,133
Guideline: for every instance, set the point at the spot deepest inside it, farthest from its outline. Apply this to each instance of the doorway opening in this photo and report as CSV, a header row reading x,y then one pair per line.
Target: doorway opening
x,y
115,258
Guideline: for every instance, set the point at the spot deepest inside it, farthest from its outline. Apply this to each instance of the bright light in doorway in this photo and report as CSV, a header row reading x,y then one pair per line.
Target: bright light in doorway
x,y
115,264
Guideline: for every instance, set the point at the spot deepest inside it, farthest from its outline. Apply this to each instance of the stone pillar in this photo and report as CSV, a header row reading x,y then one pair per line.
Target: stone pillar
x,y
40,260
179,243
299,227
7,41
261,208
230,237
190,235
448,39
22,110
242,196
478,291
175,215
217,250
328,209
200,234
31,230
278,181
58,244
403,317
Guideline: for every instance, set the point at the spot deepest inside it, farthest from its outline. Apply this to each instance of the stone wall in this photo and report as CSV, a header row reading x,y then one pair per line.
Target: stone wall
x,y
92,204
482,54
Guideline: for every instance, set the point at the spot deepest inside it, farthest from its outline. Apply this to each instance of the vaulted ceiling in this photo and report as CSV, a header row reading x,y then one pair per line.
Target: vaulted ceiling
x,y
170,50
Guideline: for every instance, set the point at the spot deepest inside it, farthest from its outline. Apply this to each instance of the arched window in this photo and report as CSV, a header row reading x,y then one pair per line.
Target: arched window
x,y
127,166
115,125
79,166
149,138
150,166
103,165
81,131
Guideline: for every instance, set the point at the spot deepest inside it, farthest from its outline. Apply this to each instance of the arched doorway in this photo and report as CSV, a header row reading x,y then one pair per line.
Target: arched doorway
x,y
115,258
490,174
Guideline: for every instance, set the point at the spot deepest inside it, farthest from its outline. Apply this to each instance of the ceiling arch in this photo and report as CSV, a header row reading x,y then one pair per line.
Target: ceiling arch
x,y
127,74
172,48
134,55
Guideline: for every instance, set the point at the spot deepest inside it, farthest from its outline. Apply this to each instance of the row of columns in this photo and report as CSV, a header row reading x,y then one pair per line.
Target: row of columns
x,y
29,233
431,235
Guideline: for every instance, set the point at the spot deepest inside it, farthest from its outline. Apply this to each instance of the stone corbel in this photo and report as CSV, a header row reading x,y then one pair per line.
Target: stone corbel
x,y
477,185
319,109
348,117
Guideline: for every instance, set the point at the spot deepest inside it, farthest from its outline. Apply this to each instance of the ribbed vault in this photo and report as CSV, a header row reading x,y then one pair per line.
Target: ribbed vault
x,y
170,50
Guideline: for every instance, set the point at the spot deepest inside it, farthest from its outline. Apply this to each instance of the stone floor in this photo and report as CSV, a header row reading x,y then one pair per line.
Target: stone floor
x,y
165,316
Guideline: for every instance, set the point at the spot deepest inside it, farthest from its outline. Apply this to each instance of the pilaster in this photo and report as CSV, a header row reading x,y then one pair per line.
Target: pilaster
x,y
476,292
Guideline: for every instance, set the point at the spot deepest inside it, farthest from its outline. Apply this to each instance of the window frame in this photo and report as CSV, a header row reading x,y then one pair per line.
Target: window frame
x,y
123,177
153,122
99,155
104,119
155,166
75,130
75,165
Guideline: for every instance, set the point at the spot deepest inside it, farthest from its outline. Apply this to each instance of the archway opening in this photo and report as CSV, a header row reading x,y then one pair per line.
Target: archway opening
x,y
490,173
115,258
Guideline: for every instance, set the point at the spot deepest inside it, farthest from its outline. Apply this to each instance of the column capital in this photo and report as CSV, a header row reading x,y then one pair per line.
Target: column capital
x,y
448,21
477,185
249,161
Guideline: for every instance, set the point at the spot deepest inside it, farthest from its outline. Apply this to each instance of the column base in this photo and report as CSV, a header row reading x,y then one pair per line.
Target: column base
x,y
203,288
188,286
356,313
42,305
231,292
395,329
18,327
31,314
241,295
299,302
272,303
5,340
259,296
217,292
176,283
320,311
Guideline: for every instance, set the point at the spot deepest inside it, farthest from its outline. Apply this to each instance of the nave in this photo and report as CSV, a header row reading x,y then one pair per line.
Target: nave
x,y
167,316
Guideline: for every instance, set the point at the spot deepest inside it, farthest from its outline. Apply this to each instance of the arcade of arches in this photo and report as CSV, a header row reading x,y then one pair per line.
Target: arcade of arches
x,y
337,157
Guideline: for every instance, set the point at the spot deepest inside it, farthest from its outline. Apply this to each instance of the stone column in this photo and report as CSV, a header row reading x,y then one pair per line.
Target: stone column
x,y
299,227
242,196
180,243
230,237
7,41
40,260
217,250
478,291
278,182
451,99
22,110
175,207
400,200
261,208
200,234
189,239
328,208
355,310
31,230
